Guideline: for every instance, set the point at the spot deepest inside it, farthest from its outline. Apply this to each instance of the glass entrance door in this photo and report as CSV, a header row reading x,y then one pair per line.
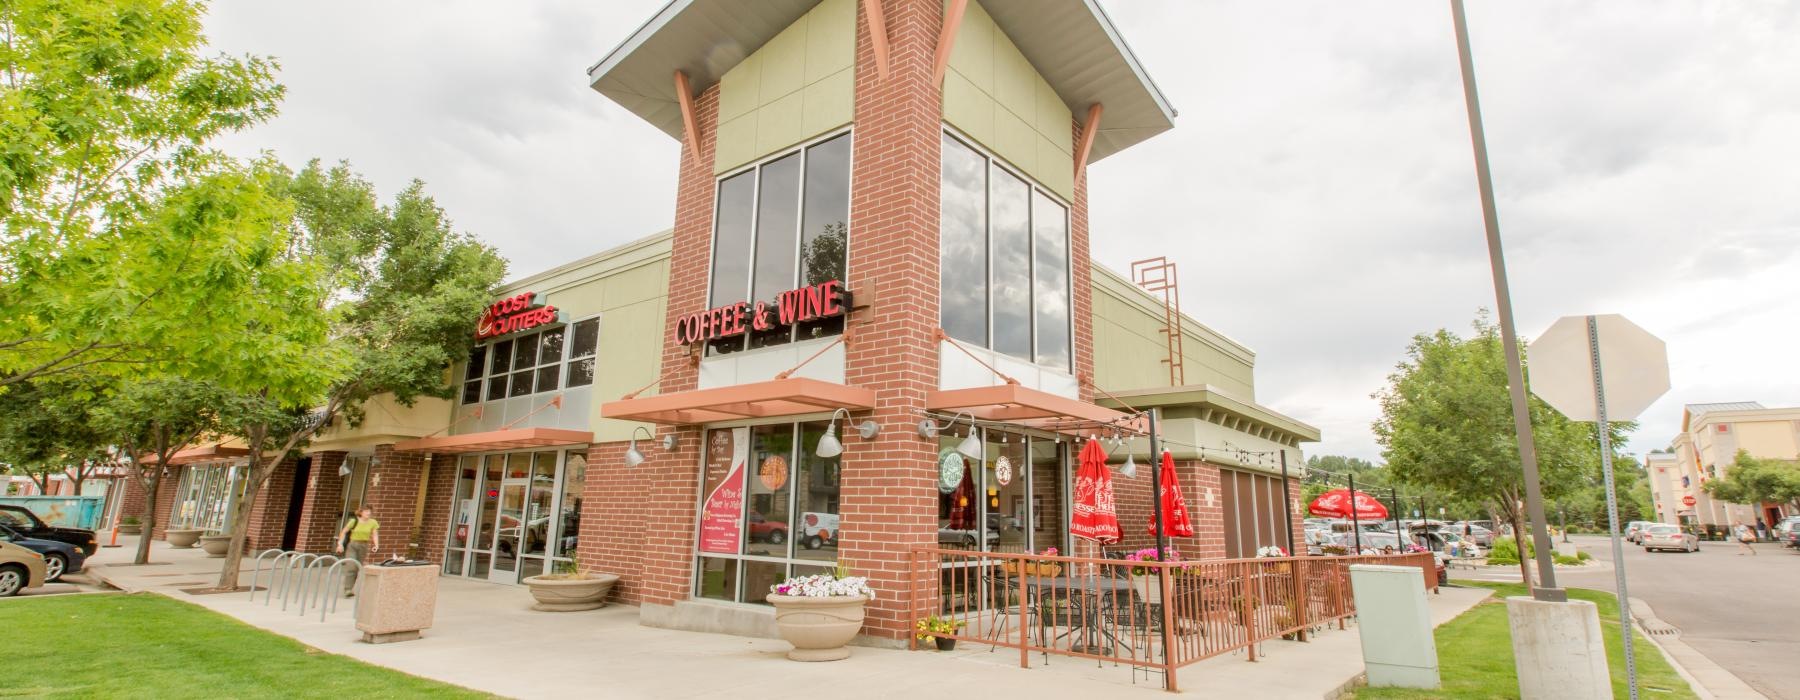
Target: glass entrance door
x,y
511,526
514,515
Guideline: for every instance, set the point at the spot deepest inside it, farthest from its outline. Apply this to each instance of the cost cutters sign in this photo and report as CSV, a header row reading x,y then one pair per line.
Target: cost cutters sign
x,y
514,314
822,300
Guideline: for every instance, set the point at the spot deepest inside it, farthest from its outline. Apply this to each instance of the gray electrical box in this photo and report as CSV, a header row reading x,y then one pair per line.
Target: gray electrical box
x,y
1395,624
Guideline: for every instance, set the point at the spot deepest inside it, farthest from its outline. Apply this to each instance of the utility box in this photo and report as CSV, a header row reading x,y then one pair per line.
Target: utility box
x,y
1391,615
396,602
1558,650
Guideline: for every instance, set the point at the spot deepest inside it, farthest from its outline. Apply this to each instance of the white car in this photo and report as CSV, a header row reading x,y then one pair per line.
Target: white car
x,y
818,530
1658,538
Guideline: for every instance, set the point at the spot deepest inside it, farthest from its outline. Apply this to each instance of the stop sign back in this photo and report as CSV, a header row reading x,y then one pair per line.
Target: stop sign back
x,y
1634,367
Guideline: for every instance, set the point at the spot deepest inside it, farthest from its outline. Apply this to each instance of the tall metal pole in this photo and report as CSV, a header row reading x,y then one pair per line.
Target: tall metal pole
x,y
1612,505
1287,506
1515,374
1156,510
1355,522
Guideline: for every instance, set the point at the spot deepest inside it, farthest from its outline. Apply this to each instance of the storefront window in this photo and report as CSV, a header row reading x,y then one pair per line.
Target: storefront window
x,y
1003,505
781,225
569,523
1003,251
205,496
355,487
532,363
514,514
770,507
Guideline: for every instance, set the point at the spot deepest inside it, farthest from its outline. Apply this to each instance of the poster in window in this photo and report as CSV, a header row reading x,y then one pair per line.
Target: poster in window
x,y
722,515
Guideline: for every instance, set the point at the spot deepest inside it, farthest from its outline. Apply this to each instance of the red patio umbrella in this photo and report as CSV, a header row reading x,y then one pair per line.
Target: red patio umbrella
x,y
1096,518
1336,504
962,504
1175,512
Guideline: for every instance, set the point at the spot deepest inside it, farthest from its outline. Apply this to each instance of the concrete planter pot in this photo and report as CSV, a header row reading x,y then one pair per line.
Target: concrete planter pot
x,y
569,594
132,529
215,545
819,628
182,539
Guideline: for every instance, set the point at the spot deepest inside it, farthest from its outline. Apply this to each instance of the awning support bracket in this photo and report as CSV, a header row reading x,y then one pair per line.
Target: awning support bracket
x,y
878,37
941,335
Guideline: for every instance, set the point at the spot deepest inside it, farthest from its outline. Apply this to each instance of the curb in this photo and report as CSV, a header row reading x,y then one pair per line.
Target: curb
x,y
1693,666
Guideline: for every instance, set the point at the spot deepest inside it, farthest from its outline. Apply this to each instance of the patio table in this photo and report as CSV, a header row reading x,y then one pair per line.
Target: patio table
x,y
1089,590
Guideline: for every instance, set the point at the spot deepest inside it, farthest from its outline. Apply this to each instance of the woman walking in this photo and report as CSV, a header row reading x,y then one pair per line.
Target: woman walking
x,y
362,534
1744,536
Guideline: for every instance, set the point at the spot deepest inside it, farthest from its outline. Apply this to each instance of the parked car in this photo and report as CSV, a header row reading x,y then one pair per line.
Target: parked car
x,y
1474,532
1316,541
767,530
28,524
59,557
1793,538
20,568
965,538
1785,530
1634,529
1657,538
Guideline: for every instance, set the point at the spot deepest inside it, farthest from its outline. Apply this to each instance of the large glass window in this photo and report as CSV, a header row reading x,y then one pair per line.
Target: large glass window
x,y
780,225
205,496
1010,500
515,515
532,363
769,510
1003,251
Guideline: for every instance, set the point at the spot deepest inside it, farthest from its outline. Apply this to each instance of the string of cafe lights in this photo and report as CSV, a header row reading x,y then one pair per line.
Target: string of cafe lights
x,y
1114,433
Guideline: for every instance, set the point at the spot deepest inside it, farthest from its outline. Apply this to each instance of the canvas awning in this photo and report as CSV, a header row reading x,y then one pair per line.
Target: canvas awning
x,y
205,453
1013,403
497,441
769,399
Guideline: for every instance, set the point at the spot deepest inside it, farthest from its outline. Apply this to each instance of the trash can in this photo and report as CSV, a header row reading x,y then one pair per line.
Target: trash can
x,y
397,600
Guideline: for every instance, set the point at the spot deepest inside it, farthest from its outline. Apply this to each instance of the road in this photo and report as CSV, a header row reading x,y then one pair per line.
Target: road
x,y
1740,611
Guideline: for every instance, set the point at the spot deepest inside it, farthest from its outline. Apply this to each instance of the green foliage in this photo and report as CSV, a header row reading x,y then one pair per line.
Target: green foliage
x,y
130,246
46,429
1566,560
1447,423
1753,480
152,419
1506,551
180,647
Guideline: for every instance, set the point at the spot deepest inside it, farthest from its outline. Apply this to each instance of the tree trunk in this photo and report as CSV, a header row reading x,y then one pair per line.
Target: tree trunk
x,y
240,530
149,519
1523,539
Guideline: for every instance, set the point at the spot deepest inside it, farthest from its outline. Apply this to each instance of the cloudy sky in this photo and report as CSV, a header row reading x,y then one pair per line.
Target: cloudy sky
x,y
1318,191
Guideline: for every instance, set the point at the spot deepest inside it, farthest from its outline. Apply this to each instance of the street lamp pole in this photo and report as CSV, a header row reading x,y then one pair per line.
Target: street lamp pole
x,y
1515,374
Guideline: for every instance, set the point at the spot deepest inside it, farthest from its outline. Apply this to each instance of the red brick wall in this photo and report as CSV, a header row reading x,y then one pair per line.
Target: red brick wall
x,y
268,515
165,500
324,499
613,521
440,494
1083,291
131,499
394,494
1132,497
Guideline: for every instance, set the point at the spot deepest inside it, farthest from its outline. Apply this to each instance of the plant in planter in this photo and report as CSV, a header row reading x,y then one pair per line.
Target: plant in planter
x,y
568,588
820,614
130,525
215,544
931,628
1144,578
1047,569
182,539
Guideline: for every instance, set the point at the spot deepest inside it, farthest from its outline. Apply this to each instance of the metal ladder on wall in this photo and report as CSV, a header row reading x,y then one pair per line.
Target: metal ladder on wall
x,y
1158,275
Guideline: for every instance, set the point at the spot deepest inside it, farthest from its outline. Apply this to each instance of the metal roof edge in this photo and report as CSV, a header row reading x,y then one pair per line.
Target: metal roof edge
x,y
637,38
1137,68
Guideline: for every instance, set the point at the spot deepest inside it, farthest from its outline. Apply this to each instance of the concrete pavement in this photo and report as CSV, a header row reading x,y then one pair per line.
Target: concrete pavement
x,y
487,638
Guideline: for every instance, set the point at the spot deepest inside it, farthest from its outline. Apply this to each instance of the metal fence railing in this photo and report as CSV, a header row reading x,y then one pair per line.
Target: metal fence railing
x,y
1153,616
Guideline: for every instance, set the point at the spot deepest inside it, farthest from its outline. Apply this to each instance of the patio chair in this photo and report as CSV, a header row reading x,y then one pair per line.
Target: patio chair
x,y
1004,602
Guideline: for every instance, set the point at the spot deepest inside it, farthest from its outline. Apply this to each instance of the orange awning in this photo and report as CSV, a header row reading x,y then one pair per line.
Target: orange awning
x,y
497,441
1012,403
773,398
206,453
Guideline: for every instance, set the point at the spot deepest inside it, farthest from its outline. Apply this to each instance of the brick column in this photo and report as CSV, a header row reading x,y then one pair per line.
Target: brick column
x,y
1296,547
1206,506
131,498
165,500
440,491
324,499
268,515
394,495
613,525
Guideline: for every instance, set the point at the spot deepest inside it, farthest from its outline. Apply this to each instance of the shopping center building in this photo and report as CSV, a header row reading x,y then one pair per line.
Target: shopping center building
x,y
1711,436
879,259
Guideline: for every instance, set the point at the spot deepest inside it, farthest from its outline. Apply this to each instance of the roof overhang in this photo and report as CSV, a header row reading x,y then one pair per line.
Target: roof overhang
x,y
1013,403
774,398
1072,43
497,440
1207,398
205,453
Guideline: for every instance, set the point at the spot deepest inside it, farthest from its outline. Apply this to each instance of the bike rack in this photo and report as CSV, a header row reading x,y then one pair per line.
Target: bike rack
x,y
337,573
314,570
288,575
256,573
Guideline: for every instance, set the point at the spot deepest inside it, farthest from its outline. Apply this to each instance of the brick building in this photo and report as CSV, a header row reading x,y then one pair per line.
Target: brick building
x,y
881,233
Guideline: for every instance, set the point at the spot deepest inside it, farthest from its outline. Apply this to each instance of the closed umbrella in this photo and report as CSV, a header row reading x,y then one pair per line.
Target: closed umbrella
x,y
1174,507
1095,518
1336,503
962,505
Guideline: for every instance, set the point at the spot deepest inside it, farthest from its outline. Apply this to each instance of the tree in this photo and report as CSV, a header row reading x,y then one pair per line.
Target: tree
x,y
47,429
1446,422
128,246
1754,481
151,420
401,290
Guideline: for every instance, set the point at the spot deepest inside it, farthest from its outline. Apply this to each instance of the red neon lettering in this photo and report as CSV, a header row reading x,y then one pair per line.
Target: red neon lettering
x,y
831,305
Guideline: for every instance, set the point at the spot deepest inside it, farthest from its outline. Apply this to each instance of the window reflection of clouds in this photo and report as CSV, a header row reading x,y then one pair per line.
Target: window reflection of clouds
x,y
1051,273
962,243
1010,202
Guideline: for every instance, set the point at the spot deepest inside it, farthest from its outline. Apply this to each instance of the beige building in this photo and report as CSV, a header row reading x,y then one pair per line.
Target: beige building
x,y
1711,435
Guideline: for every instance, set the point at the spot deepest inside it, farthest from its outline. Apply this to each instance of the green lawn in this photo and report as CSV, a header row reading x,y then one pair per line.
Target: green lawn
x,y
117,645
1475,658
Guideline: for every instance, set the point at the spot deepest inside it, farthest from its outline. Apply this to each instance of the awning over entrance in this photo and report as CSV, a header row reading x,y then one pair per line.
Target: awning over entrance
x,y
1013,403
773,398
206,453
497,441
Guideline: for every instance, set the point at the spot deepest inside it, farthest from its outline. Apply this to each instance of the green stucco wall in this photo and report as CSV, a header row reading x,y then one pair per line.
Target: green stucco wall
x,y
996,97
1129,348
798,85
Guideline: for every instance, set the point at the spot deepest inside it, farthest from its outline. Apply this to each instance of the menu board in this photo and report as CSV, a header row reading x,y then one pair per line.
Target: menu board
x,y
722,515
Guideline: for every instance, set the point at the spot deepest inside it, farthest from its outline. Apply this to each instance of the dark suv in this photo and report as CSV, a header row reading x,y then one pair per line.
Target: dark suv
x,y
27,523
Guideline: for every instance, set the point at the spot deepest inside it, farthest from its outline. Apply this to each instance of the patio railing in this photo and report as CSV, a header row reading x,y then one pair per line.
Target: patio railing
x,y
1153,616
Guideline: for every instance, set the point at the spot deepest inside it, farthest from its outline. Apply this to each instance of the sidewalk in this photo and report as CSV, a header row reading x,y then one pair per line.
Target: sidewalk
x,y
487,638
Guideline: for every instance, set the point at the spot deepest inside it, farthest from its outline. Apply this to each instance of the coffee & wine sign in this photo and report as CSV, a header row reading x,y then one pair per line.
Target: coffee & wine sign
x,y
822,300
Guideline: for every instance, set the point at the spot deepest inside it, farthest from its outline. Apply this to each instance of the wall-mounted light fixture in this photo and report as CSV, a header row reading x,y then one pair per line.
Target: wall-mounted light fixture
x,y
971,445
633,457
829,445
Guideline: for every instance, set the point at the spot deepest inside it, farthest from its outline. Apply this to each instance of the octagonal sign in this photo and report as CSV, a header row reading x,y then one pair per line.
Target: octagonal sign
x,y
1634,366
